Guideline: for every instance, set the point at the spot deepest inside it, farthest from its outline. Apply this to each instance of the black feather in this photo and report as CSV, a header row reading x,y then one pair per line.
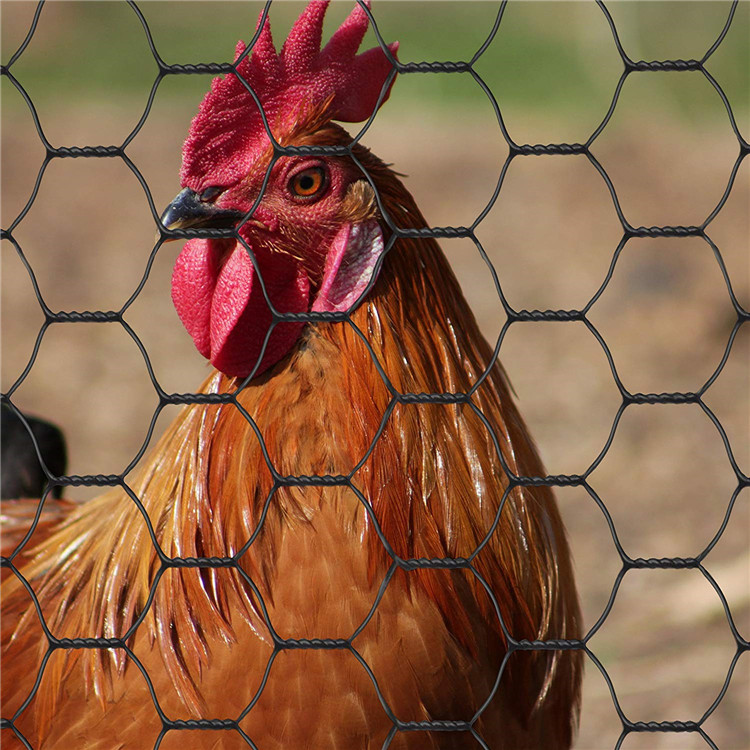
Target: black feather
x,y
21,473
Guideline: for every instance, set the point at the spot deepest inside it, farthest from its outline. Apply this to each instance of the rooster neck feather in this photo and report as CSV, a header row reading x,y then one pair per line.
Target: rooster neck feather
x,y
434,482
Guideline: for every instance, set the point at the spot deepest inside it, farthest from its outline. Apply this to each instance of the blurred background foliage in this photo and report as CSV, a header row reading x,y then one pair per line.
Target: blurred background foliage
x,y
99,47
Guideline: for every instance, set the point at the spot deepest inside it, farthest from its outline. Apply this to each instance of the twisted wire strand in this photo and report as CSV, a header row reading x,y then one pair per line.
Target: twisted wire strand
x,y
513,317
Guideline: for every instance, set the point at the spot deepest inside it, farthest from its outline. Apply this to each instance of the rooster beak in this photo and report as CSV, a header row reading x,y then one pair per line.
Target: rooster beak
x,y
188,211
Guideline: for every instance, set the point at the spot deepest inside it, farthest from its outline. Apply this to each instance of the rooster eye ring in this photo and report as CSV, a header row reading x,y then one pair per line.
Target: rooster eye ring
x,y
210,194
309,183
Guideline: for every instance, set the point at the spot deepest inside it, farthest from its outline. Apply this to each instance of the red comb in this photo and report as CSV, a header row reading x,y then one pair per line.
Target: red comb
x,y
228,134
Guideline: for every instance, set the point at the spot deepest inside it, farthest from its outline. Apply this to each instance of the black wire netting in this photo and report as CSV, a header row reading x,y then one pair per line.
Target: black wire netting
x,y
512,319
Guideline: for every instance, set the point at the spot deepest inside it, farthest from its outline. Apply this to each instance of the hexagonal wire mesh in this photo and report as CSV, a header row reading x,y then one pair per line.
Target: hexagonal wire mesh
x,y
512,317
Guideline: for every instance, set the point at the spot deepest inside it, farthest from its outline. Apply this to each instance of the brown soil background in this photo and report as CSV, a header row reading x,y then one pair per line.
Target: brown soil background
x,y
665,315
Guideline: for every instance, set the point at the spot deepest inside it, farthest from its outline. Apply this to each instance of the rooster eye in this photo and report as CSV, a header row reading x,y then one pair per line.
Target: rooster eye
x,y
310,183
209,194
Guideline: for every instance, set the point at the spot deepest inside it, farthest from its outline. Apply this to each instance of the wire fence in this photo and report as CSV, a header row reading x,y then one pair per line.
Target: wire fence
x,y
513,316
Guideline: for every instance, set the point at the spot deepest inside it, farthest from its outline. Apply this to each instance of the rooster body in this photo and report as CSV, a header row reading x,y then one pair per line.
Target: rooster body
x,y
215,640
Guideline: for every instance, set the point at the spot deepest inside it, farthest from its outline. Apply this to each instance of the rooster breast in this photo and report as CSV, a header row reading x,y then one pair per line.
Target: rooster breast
x,y
309,564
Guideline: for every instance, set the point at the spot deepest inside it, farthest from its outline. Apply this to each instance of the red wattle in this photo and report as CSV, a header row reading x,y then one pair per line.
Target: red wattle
x,y
224,310
193,282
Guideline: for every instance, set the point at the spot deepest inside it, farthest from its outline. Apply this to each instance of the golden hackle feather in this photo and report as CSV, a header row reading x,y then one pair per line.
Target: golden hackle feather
x,y
434,481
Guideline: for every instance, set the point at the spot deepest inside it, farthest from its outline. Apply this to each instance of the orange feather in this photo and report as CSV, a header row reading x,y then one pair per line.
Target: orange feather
x,y
434,485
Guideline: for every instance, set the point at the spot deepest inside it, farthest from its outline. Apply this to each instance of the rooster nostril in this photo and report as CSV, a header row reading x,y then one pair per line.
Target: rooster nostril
x,y
210,194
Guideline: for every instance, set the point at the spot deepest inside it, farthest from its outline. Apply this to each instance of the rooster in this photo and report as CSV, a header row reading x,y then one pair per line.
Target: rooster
x,y
23,478
280,563
22,474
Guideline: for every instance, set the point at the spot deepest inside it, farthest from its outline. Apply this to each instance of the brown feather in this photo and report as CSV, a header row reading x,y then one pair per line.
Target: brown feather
x,y
434,483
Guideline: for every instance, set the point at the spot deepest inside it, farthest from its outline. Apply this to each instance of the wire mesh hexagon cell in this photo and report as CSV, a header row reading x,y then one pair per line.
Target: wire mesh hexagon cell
x,y
665,473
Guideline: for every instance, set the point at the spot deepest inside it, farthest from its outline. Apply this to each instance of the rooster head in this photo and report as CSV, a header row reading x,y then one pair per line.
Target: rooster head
x,y
307,238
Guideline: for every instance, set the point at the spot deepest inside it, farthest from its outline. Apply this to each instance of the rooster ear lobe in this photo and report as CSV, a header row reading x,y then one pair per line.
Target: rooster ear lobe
x,y
352,266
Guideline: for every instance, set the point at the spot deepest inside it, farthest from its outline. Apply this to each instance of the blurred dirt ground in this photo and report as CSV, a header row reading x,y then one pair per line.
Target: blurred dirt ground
x,y
665,315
